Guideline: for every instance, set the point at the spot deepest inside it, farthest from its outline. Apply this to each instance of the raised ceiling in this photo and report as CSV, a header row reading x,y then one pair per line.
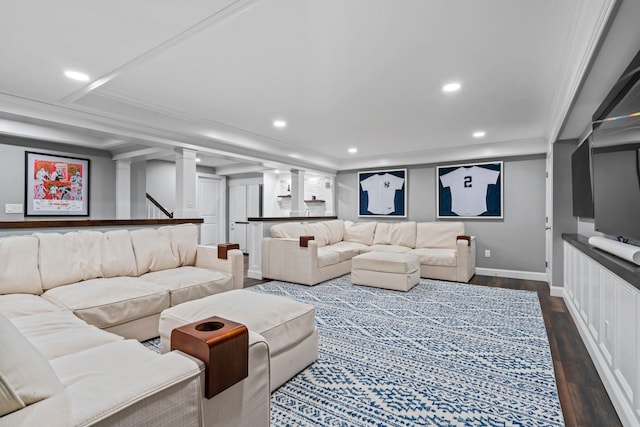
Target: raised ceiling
x,y
214,75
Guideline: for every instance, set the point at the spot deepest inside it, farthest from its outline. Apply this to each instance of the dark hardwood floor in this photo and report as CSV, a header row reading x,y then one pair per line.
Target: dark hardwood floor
x,y
583,398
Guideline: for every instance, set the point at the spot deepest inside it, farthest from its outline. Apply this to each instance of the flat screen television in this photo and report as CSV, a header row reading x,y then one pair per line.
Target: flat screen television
x,y
616,177
616,158
581,181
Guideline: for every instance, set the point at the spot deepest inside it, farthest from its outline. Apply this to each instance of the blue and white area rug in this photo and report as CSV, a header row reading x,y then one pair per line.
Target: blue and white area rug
x,y
442,354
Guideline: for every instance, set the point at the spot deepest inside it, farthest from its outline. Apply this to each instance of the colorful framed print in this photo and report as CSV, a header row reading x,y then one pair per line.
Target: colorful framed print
x,y
56,185
470,191
383,193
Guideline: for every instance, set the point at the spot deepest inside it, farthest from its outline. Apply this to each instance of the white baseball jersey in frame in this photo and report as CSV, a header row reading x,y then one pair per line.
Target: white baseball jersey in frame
x,y
381,191
468,188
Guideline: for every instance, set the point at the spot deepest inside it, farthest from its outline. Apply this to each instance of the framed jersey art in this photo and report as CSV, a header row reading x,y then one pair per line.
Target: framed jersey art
x,y
470,191
383,193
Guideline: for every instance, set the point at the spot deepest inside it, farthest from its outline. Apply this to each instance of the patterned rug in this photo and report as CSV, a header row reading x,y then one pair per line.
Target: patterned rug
x,y
442,354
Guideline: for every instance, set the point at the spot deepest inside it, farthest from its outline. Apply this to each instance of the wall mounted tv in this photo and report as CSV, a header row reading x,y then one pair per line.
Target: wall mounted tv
x,y
581,181
616,158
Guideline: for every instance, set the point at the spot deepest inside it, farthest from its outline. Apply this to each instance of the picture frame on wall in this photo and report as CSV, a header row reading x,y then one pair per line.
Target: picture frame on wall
x,y
473,190
56,185
383,193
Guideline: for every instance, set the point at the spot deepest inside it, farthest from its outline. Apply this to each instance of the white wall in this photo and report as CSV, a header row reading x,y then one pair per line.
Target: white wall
x,y
161,183
160,179
516,242
102,175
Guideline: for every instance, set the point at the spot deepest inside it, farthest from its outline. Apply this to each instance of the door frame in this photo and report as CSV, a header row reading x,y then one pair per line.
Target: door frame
x,y
222,208
548,223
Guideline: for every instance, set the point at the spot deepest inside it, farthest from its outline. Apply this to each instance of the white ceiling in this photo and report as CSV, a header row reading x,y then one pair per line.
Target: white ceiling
x,y
213,75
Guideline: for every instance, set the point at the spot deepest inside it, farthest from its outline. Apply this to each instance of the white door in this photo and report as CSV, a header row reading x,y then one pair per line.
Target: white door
x,y
238,216
211,207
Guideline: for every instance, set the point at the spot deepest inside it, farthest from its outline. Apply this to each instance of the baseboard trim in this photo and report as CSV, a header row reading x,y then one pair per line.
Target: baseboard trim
x,y
556,291
512,274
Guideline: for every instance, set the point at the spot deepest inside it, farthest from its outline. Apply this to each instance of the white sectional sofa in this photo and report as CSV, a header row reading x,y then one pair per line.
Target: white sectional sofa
x,y
68,303
443,249
118,280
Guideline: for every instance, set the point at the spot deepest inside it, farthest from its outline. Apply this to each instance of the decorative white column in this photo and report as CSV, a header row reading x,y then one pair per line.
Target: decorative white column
x,y
123,189
186,184
297,193
330,191
255,233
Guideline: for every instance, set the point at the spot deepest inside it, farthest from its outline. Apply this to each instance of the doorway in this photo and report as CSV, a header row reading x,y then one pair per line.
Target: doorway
x,y
212,208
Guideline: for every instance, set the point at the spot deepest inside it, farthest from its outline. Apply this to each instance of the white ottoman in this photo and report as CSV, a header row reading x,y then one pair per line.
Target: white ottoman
x,y
288,326
389,270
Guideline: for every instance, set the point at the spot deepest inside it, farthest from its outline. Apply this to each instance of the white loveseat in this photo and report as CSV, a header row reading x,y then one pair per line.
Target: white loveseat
x,y
69,301
442,248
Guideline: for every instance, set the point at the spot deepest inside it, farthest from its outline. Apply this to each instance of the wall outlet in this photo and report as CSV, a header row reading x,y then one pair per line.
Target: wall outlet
x,y
487,253
13,208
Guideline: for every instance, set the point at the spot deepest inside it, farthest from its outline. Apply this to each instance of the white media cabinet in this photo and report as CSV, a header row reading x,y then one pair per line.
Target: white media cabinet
x,y
602,293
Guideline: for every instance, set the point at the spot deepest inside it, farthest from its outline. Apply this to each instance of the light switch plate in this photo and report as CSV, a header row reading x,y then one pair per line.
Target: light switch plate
x,y
13,208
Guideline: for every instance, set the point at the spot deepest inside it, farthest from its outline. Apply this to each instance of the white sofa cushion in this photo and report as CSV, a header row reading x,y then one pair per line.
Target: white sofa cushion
x,y
109,358
327,257
387,248
396,233
25,374
436,256
359,232
19,272
287,230
438,234
347,250
152,250
336,230
17,305
386,262
184,241
189,283
319,231
60,333
69,258
111,301
116,254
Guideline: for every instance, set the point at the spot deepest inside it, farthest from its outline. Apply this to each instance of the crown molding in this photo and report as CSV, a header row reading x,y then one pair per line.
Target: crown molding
x,y
584,39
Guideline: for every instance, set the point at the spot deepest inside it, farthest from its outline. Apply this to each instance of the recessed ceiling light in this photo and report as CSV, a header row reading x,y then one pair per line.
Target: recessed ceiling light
x,y
198,159
76,75
279,123
451,87
353,150
479,134
295,156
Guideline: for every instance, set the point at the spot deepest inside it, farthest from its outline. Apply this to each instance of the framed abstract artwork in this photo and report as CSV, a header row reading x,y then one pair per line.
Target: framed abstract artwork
x,y
470,191
383,193
56,185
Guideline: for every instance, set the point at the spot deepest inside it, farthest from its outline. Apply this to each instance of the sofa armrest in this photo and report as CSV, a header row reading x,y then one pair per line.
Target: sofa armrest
x,y
246,403
284,259
207,257
466,249
166,391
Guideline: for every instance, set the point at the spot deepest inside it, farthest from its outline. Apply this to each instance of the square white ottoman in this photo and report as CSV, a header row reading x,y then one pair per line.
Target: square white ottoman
x,y
288,326
389,270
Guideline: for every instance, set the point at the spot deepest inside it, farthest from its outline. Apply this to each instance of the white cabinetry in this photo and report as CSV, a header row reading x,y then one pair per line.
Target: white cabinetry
x,y
605,310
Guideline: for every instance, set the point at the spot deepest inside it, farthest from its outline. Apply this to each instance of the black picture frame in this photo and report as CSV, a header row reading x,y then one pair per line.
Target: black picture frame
x,y
472,190
56,185
383,193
